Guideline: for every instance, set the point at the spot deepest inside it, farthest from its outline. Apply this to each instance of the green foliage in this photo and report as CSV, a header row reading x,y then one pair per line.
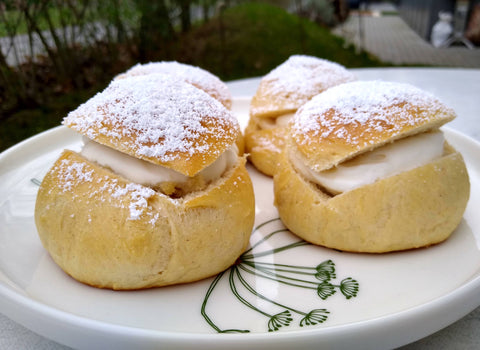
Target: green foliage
x,y
11,22
259,37
30,121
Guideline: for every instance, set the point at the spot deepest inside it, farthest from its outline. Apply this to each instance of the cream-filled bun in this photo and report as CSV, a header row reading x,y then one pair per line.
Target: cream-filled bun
x,y
366,169
279,94
157,196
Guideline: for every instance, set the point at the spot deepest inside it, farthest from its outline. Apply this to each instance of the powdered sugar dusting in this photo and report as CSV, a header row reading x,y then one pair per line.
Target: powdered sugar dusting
x,y
139,196
158,114
368,105
191,74
302,77
71,174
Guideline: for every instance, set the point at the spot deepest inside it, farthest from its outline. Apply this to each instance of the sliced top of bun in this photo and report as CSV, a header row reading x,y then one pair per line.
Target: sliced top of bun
x,y
294,82
160,119
198,77
356,117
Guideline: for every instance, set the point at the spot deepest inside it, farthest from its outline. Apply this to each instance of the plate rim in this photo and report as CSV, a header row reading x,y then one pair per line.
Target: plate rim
x,y
13,298
123,333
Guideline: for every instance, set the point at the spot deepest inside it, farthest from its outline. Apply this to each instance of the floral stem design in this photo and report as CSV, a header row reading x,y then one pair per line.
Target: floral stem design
x,y
271,275
204,305
277,250
318,278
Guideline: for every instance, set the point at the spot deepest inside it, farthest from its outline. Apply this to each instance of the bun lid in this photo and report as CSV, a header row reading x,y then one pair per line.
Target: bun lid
x,y
294,82
356,117
160,119
198,77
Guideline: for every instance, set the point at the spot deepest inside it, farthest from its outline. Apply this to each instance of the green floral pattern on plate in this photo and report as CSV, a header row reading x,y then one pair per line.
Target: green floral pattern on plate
x,y
319,278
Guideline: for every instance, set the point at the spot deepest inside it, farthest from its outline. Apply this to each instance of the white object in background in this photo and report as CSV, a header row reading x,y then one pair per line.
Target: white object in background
x,y
442,30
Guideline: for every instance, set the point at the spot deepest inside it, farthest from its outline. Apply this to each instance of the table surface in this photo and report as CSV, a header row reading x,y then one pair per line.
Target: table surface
x,y
458,88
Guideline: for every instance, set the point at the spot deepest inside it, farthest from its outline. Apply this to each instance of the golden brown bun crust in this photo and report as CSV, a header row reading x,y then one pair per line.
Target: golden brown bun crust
x,y
240,143
264,146
283,91
294,82
198,77
413,209
107,232
160,119
357,117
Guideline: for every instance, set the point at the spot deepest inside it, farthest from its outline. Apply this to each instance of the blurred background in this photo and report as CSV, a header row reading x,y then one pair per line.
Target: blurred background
x,y
55,54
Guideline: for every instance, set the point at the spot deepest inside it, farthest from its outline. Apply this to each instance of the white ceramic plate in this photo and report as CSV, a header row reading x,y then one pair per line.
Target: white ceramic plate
x,y
283,294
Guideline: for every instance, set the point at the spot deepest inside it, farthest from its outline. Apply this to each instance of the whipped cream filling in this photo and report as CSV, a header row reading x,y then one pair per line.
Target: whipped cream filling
x,y
148,174
388,160
276,122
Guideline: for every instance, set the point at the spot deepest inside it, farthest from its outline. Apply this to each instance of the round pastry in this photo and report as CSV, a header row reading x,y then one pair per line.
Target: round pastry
x,y
157,196
366,169
198,77
280,93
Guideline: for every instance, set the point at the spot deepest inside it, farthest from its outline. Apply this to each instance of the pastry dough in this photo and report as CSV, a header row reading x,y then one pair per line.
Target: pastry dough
x,y
108,231
279,94
409,209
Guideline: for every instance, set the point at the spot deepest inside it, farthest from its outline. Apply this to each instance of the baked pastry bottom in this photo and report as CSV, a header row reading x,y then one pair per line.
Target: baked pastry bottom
x,y
84,222
413,209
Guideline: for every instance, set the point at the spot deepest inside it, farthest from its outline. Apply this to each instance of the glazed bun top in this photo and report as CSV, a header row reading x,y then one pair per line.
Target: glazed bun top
x,y
198,77
294,82
160,119
356,117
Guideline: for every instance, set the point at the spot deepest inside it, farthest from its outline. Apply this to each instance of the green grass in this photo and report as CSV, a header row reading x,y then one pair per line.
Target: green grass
x,y
257,38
